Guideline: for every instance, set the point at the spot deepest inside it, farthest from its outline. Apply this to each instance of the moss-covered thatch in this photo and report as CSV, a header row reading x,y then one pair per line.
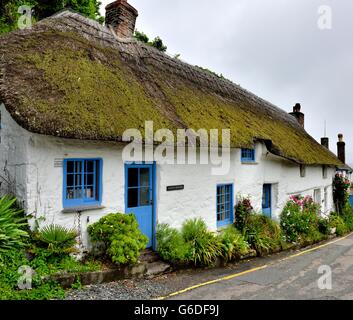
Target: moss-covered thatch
x,y
69,77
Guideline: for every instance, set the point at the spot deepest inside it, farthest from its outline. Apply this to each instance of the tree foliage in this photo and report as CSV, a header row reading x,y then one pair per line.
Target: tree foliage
x,y
157,42
9,10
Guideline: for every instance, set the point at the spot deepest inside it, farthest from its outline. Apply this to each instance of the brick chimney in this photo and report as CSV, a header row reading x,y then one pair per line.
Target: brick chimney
x,y
121,16
297,114
325,142
341,148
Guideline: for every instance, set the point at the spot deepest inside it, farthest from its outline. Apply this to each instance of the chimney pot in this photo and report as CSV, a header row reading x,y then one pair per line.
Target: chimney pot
x,y
121,16
297,107
298,114
325,142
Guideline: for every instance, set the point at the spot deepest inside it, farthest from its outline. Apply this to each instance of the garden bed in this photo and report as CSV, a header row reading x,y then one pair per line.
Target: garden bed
x,y
156,268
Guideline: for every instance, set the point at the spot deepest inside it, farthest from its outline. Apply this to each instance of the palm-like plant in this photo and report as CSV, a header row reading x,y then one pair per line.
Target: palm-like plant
x,y
58,238
12,233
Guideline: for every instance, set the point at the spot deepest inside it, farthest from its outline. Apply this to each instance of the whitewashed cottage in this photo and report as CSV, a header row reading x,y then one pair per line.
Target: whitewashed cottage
x,y
70,88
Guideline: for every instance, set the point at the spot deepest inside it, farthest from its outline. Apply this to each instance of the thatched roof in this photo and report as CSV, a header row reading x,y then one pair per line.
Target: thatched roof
x,y
70,77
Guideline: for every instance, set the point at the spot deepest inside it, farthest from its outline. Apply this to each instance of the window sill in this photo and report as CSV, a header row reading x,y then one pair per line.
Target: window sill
x,y
224,225
81,209
249,162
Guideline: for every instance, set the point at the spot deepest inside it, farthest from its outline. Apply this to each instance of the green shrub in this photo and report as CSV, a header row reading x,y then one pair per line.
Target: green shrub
x,y
299,218
234,244
348,216
341,186
171,245
337,222
324,226
204,246
242,212
57,239
263,234
12,225
121,235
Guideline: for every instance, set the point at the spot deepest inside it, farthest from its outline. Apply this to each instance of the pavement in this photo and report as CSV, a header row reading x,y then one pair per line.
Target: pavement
x,y
284,276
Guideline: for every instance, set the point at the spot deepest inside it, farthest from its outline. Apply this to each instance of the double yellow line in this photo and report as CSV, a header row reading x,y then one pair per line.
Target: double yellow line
x,y
236,275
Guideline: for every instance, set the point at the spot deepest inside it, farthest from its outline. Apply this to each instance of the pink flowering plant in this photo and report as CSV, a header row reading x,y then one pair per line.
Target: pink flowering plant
x,y
300,219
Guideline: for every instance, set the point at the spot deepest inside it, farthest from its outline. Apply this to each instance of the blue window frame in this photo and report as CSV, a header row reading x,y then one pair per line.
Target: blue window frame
x,y
82,182
267,200
247,155
224,204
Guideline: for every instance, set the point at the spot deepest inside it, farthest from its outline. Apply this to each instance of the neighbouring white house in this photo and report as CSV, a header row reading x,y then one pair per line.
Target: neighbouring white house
x,y
70,88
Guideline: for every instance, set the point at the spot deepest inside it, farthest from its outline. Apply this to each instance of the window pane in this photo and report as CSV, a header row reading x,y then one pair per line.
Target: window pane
x,y
144,197
78,179
132,198
77,193
70,166
89,166
132,177
69,180
89,179
144,177
78,166
89,192
69,193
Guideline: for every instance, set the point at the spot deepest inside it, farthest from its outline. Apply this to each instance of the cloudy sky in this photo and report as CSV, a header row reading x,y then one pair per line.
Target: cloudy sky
x,y
274,48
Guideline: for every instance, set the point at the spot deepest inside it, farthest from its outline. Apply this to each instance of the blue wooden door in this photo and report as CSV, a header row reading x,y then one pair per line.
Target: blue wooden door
x,y
267,200
139,196
351,199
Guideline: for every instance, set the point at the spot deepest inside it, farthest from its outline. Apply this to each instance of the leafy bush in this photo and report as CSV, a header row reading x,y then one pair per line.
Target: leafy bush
x,y
204,246
58,239
242,212
348,216
157,42
193,244
324,226
337,222
340,192
12,233
121,235
234,244
299,218
171,245
141,36
263,234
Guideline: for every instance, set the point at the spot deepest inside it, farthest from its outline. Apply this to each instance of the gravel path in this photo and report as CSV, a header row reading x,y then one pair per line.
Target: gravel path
x,y
122,290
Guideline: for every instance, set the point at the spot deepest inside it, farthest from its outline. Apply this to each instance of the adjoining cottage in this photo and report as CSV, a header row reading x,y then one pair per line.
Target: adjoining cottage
x,y
70,88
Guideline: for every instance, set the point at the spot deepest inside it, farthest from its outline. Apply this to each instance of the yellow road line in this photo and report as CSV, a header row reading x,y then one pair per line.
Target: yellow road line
x,y
232,276
211,282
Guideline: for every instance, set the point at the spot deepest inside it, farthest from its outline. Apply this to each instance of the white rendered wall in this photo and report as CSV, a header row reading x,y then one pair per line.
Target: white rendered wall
x,y
13,157
40,181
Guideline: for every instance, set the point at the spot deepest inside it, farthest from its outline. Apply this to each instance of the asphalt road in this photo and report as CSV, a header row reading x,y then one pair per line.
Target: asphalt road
x,y
294,277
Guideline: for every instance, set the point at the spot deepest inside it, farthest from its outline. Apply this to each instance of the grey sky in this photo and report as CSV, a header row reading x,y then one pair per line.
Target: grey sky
x,y
273,48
